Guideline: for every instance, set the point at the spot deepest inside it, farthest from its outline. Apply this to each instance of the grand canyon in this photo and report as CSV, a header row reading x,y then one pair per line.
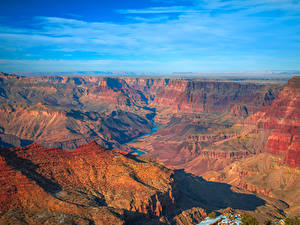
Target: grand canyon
x,y
147,150
150,112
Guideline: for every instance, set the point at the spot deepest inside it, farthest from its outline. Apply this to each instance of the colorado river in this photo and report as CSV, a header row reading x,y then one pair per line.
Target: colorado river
x,y
137,151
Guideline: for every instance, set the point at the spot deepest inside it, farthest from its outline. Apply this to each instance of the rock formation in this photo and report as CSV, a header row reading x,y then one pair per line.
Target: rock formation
x,y
48,184
282,119
245,134
265,174
93,185
78,107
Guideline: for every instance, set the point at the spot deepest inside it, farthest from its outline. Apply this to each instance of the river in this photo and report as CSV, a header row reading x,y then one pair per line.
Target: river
x,y
137,151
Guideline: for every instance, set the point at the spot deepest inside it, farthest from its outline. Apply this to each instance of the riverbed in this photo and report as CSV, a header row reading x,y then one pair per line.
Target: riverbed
x,y
139,152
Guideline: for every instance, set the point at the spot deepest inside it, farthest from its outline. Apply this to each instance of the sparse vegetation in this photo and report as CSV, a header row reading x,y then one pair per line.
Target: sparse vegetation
x,y
268,222
223,175
212,215
249,220
292,221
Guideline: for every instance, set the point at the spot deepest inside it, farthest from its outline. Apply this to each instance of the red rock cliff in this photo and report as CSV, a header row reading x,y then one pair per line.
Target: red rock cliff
x,y
40,179
282,121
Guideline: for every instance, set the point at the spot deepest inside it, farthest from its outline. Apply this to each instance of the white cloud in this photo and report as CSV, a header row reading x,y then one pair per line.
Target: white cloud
x,y
154,10
194,33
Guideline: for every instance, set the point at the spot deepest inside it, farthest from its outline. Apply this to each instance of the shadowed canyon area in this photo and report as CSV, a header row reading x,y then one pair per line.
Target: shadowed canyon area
x,y
95,185
126,150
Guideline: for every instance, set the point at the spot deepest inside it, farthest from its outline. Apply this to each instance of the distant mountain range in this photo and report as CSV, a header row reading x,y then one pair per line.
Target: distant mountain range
x,y
263,74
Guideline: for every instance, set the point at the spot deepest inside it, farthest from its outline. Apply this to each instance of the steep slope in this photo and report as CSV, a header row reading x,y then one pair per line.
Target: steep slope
x,y
279,124
93,185
211,141
69,111
213,96
282,118
83,186
70,128
266,174
275,172
77,107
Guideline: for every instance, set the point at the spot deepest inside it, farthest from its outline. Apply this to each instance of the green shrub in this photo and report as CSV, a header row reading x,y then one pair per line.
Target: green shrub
x,y
293,221
248,220
268,222
212,215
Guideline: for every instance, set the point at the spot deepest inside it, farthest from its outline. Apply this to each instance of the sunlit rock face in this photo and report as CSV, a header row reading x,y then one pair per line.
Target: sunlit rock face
x,y
39,184
94,185
266,174
281,121
66,112
201,122
207,127
200,142
285,136
275,171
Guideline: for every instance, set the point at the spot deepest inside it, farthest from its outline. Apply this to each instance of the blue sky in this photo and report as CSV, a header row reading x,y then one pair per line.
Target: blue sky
x,y
149,36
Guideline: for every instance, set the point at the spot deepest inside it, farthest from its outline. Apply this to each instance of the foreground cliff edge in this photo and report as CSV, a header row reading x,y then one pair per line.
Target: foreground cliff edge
x,y
93,185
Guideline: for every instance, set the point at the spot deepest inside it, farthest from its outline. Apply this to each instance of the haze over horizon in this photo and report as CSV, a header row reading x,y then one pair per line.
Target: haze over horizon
x,y
149,36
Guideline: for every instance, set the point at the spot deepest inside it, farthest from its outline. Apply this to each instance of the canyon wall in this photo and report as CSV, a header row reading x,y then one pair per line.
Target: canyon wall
x,y
242,133
90,184
94,185
281,121
201,142
66,112
266,174
275,171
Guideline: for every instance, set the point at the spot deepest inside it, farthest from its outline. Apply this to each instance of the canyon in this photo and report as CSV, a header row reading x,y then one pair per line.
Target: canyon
x,y
275,171
94,185
118,146
66,112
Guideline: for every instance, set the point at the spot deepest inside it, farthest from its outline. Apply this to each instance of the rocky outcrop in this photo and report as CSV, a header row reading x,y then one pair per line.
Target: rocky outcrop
x,y
48,182
77,108
214,96
209,138
213,160
265,174
282,121
203,125
93,185
201,143
275,129
190,216
274,173
70,128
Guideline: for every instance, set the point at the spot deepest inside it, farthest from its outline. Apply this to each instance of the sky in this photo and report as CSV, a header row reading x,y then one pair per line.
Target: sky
x,y
161,36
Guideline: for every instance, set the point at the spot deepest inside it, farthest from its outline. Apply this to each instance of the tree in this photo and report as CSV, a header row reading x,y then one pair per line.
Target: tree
x,y
248,220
